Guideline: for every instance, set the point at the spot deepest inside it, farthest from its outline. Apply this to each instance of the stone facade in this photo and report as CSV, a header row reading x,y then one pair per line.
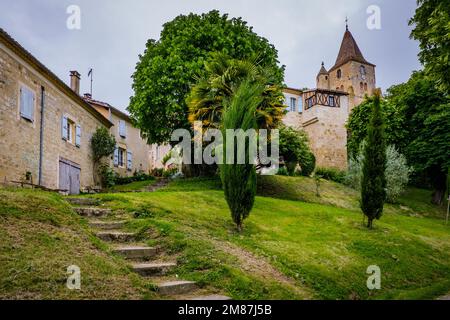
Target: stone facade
x,y
20,138
130,142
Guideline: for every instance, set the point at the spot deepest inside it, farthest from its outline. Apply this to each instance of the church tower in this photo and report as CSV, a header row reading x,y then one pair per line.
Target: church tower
x,y
351,73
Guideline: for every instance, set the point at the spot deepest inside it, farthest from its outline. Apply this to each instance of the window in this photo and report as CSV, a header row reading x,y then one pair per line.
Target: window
x,y
365,86
122,129
339,74
331,101
362,71
70,131
309,103
27,103
361,86
292,104
119,157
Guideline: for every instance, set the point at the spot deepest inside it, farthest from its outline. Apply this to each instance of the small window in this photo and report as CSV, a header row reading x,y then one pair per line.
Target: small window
x,y
362,71
27,103
293,104
331,101
121,157
361,86
339,74
365,86
122,129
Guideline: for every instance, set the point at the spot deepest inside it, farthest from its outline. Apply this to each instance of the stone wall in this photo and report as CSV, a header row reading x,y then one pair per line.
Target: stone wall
x,y
20,138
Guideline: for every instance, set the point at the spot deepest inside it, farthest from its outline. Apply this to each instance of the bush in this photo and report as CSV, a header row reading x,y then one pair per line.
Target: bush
x,y
331,174
170,172
136,177
282,171
308,165
397,173
157,172
107,176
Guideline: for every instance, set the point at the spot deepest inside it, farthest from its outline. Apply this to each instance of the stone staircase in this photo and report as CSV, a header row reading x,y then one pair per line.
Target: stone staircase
x,y
143,260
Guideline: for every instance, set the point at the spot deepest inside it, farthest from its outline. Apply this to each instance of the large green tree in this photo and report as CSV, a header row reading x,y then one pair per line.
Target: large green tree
x,y
373,182
169,67
432,29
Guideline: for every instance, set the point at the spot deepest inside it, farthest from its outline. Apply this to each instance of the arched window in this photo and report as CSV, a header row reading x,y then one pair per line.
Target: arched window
x,y
365,86
361,86
326,77
362,72
339,74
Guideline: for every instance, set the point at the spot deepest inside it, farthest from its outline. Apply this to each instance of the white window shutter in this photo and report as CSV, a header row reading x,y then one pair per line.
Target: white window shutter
x,y
78,136
27,103
64,124
116,157
129,160
122,129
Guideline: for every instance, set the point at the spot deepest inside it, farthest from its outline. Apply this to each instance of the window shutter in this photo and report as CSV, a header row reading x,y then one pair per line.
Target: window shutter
x,y
27,103
122,129
64,125
78,136
129,160
116,157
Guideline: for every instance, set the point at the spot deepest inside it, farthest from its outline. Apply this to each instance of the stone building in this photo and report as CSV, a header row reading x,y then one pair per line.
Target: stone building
x,y
323,112
132,153
45,127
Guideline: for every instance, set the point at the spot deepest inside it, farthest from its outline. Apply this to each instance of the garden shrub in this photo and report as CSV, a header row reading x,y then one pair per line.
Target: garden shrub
x,y
331,174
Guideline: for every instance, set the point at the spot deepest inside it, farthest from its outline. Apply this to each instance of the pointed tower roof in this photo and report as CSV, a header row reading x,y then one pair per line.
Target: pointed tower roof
x,y
349,51
322,70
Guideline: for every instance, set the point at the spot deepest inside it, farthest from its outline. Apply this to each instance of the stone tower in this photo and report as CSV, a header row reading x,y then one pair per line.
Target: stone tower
x,y
351,73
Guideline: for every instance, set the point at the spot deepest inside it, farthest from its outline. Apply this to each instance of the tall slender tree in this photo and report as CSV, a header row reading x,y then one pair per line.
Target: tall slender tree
x,y
239,180
373,182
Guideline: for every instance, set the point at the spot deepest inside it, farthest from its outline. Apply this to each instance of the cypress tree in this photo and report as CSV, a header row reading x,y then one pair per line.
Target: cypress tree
x,y
239,180
373,182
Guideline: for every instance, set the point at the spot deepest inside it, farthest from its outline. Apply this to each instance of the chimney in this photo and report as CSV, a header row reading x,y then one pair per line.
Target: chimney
x,y
75,81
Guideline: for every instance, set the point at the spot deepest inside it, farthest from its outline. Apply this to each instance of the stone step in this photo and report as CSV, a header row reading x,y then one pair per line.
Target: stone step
x,y
83,201
92,212
116,236
214,297
149,269
176,287
107,225
135,252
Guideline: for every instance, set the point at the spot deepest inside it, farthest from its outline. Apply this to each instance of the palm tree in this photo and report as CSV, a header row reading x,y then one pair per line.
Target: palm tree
x,y
221,79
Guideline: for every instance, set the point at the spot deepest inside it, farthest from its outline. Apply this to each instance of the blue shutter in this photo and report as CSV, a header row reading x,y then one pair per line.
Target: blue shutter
x,y
64,125
116,157
129,160
78,136
122,129
300,104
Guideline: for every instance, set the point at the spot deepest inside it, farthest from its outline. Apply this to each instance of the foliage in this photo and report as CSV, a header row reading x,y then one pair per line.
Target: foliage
x,y
221,78
137,176
295,150
373,181
157,172
103,144
432,28
397,173
169,66
331,174
170,172
239,180
427,113
107,175
395,131
283,171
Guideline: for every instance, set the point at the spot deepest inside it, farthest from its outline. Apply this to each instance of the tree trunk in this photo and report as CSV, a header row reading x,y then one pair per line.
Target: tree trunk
x,y
438,197
239,227
440,186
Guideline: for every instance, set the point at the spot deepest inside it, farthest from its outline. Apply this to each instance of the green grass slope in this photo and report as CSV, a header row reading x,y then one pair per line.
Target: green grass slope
x,y
321,248
40,236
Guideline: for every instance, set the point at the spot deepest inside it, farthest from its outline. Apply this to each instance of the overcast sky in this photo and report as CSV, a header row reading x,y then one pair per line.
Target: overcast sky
x,y
114,32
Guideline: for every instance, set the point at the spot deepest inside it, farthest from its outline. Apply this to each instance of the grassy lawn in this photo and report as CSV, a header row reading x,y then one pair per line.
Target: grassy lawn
x,y
319,245
40,236
295,245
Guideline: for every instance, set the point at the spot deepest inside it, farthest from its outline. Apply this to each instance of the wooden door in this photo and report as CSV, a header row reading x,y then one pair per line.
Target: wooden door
x,y
69,176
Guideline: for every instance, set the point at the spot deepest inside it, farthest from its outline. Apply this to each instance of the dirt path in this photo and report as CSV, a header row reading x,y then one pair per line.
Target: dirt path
x,y
260,267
